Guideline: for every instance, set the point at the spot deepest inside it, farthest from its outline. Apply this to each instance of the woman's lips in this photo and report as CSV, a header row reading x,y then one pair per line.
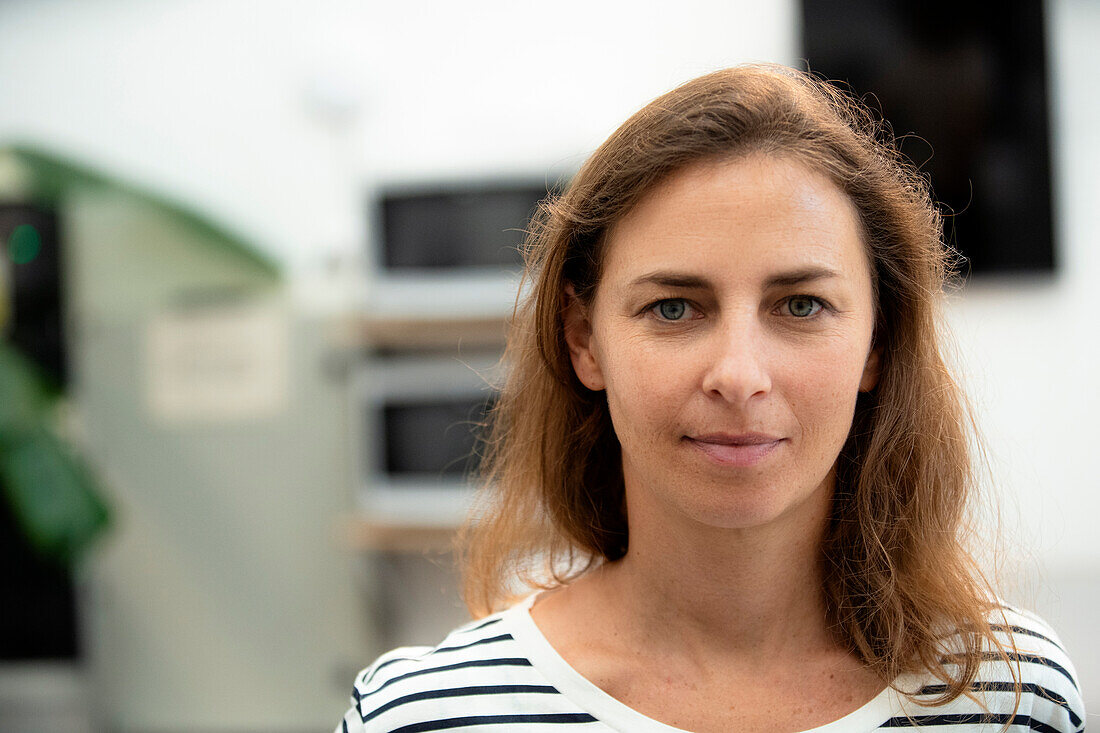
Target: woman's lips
x,y
735,450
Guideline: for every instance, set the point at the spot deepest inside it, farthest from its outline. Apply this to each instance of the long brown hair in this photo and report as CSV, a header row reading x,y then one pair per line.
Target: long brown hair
x,y
898,575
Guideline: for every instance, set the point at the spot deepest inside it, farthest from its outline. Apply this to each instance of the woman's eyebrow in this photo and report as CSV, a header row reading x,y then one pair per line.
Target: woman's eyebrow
x,y
805,274
685,280
673,280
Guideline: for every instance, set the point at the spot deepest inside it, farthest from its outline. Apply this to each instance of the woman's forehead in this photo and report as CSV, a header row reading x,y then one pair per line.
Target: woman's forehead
x,y
755,217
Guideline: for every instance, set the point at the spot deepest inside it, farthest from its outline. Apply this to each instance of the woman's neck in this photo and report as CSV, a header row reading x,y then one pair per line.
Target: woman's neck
x,y
755,592
753,602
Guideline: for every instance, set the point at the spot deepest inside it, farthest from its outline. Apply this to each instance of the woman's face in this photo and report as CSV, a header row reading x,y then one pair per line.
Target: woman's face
x,y
732,331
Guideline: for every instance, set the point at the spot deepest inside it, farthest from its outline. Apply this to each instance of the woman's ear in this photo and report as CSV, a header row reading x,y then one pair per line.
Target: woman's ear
x,y
578,336
871,370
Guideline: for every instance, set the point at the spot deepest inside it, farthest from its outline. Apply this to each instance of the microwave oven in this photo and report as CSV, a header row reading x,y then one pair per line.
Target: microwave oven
x,y
419,419
445,248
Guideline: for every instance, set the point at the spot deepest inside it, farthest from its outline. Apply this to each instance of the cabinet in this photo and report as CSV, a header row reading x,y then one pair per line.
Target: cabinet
x,y
419,393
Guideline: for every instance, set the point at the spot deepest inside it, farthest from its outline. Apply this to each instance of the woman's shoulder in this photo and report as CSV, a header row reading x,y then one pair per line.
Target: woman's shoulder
x,y
1050,695
1025,628
1033,646
479,670
470,645
1049,685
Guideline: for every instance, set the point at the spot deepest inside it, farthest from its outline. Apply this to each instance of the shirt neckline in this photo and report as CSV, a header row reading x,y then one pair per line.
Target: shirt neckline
x,y
619,716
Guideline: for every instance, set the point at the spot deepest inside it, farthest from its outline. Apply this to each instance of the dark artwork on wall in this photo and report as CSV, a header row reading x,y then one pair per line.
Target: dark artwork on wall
x,y
965,84
433,438
456,226
38,616
33,262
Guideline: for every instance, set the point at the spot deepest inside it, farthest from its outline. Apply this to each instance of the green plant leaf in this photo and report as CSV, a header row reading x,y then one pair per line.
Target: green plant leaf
x,y
24,400
52,495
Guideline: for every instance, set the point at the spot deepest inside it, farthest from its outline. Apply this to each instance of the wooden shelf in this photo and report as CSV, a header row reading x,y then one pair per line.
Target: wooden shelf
x,y
363,534
483,332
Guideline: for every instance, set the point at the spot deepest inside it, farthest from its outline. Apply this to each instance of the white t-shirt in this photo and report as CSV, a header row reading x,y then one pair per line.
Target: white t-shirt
x,y
500,674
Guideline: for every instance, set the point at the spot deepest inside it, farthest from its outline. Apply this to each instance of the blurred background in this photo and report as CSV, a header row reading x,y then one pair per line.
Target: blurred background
x,y
257,263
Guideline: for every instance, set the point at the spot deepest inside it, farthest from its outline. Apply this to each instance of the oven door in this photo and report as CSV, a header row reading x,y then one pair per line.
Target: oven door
x,y
420,423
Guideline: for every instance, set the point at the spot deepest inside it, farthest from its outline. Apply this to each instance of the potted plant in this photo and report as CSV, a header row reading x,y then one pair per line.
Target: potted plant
x,y
52,493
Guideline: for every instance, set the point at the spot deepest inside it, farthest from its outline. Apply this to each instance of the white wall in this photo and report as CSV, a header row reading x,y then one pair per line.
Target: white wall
x,y
1030,349
271,116
274,117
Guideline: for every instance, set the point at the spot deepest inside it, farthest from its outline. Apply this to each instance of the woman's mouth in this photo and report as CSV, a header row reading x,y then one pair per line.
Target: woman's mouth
x,y
735,450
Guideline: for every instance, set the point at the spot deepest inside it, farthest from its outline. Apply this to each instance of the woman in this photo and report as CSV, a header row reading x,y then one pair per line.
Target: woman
x,y
729,454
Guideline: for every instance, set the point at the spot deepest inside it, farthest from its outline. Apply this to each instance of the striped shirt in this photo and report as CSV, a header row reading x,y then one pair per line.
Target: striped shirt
x,y
500,674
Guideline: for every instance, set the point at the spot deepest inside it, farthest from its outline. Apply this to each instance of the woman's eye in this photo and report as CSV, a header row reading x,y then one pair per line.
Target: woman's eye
x,y
803,306
671,310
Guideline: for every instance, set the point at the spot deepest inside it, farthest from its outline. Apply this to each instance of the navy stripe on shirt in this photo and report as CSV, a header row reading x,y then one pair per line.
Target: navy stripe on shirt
x,y
437,650
503,662
1016,657
1026,632
918,721
460,692
1031,687
448,723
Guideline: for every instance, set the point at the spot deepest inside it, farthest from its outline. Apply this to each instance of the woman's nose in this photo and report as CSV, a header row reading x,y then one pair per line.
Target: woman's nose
x,y
737,366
